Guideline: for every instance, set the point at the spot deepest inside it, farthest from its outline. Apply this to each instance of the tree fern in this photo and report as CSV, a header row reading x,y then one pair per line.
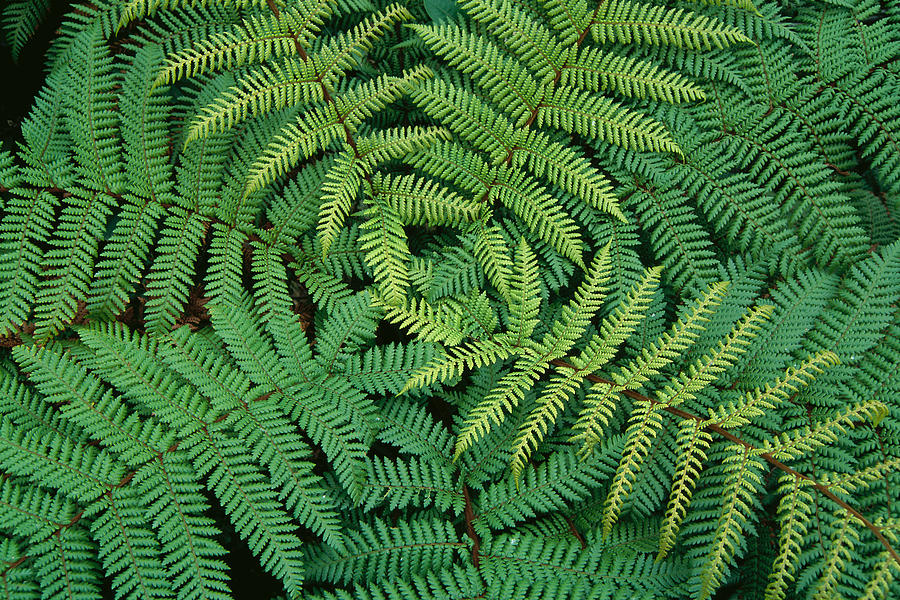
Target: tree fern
x,y
451,300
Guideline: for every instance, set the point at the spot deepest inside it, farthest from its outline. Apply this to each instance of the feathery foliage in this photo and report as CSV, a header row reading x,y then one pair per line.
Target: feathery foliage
x,y
542,299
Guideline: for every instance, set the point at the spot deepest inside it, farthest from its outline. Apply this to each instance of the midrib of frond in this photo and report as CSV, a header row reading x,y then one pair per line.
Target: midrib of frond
x,y
733,202
188,531
93,134
126,539
862,107
696,275
811,199
249,505
861,305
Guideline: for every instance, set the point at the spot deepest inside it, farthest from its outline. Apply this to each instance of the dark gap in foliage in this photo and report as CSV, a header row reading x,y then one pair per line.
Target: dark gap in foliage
x,y
388,332
26,76
247,578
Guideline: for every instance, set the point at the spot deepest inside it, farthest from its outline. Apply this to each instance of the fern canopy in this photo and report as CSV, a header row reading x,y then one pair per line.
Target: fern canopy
x,y
452,299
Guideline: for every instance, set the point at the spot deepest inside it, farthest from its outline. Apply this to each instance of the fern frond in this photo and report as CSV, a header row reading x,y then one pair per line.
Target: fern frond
x,y
92,117
594,116
491,252
384,242
569,327
561,481
753,403
793,515
501,400
567,169
646,420
540,211
386,369
312,132
524,298
843,540
137,9
260,91
525,35
20,20
256,39
741,482
127,549
653,358
595,70
507,82
626,22
458,359
693,443
372,552
70,261
793,444
414,482
345,50
26,224
422,202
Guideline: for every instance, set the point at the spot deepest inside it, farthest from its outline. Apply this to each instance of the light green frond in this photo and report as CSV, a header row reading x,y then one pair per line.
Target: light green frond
x,y
440,322
459,359
508,83
881,578
653,357
837,555
524,294
600,118
387,253
568,18
596,70
309,134
848,483
492,255
257,39
343,51
338,193
693,442
706,369
506,395
577,314
531,41
419,201
566,168
794,510
643,427
793,444
754,403
600,349
543,213
671,344
467,116
264,89
626,22
542,417
366,99
137,9
396,143
742,482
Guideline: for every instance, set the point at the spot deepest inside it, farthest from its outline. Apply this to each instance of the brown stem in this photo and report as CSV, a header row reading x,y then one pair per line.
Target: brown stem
x,y
470,529
575,531
876,531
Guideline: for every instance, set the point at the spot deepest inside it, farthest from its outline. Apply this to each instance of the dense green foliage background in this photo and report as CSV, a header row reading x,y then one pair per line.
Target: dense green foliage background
x,y
476,299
